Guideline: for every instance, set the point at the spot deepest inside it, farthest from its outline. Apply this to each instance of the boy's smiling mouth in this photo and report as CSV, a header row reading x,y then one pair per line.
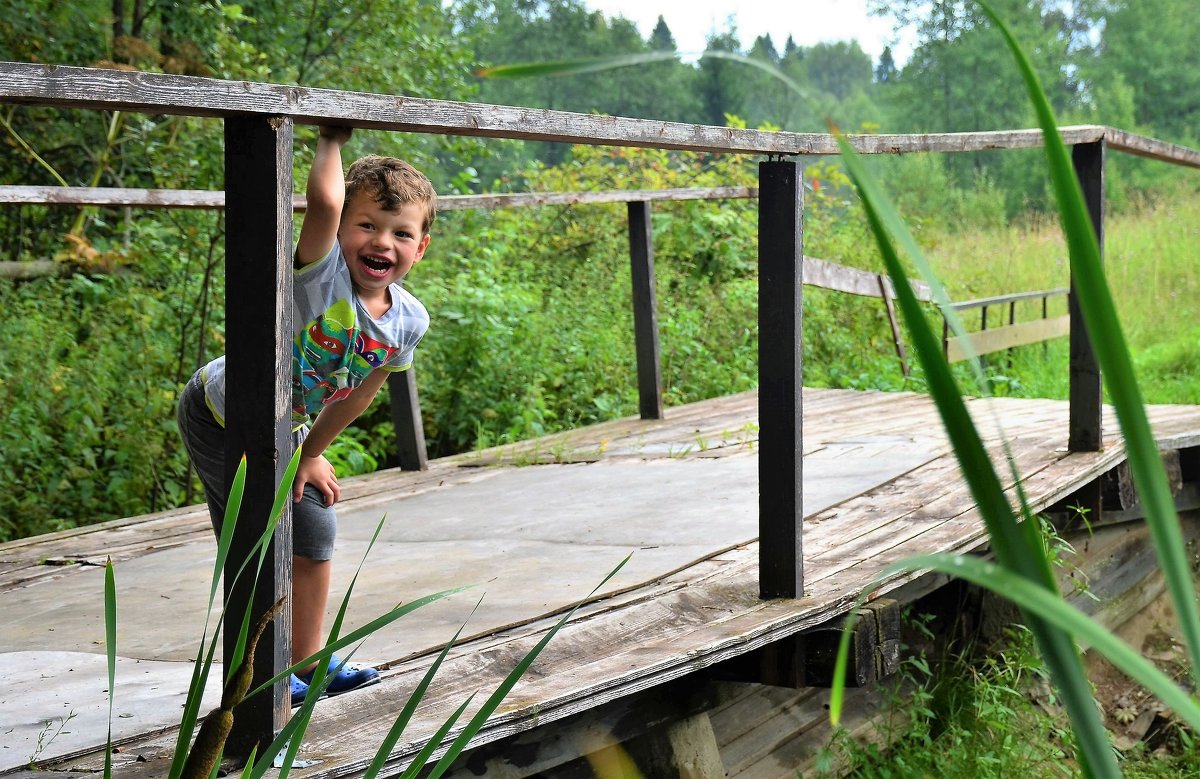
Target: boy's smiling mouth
x,y
376,263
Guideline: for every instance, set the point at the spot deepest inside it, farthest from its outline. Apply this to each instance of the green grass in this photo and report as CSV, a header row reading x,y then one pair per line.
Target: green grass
x,y
1023,572
981,712
1149,260
1151,267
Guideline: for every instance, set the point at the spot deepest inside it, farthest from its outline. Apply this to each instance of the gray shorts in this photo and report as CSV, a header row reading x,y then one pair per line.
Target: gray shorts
x,y
314,525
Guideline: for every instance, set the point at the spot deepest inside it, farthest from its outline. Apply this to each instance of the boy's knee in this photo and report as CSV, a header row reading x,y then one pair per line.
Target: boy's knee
x,y
314,526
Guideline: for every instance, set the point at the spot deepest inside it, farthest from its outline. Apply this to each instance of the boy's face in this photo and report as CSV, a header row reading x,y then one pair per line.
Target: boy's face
x,y
380,246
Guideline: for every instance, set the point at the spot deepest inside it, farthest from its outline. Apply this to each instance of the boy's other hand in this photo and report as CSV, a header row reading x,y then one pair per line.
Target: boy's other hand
x,y
336,133
319,473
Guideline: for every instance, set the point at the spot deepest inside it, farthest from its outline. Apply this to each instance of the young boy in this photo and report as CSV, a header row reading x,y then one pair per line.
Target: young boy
x,y
354,324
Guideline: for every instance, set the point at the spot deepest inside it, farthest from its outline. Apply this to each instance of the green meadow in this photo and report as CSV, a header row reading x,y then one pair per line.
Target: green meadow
x,y
1151,264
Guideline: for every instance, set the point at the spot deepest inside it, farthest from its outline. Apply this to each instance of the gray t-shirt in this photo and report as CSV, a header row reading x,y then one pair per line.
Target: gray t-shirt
x,y
337,342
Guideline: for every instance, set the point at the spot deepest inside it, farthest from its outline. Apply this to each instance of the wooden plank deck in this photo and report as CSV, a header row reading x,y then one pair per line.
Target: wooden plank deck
x,y
537,524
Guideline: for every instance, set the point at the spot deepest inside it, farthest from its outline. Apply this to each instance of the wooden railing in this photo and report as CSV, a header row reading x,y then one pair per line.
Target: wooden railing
x,y
258,126
1008,335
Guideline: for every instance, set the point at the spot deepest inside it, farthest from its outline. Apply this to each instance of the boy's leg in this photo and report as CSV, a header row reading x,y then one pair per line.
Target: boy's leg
x,y
310,593
314,526
204,440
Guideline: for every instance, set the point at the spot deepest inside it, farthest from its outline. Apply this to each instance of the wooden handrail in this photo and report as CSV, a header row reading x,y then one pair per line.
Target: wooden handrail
x,y
161,93
1010,298
215,199
817,272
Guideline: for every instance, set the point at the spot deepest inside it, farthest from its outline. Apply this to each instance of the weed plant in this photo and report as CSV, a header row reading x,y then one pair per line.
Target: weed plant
x,y
973,714
980,712
1023,572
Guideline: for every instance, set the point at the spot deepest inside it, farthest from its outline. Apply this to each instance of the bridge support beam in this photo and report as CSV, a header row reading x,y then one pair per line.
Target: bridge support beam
x,y
1086,397
258,305
780,319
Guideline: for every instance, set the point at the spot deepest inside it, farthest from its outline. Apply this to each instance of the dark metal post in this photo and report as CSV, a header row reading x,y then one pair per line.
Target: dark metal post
x,y
1084,433
645,310
780,285
258,304
406,421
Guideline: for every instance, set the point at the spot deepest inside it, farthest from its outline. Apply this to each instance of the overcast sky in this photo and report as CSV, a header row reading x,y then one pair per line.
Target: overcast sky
x,y
807,21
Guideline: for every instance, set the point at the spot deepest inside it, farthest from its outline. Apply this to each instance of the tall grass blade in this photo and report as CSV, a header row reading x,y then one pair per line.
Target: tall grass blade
x,y
498,696
1116,365
321,672
225,540
204,659
572,67
262,545
299,722
418,762
1016,544
575,67
110,649
1015,547
293,730
357,635
397,730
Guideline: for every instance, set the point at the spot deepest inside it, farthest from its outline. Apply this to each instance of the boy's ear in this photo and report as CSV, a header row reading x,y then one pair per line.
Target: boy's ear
x,y
421,247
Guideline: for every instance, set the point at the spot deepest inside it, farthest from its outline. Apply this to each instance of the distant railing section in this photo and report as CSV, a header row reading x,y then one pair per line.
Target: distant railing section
x,y
1010,334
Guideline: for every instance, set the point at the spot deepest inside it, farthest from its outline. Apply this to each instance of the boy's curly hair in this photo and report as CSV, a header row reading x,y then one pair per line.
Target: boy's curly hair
x,y
393,184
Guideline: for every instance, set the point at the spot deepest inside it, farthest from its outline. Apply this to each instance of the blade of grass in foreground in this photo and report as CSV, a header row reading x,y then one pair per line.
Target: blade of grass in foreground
x,y
1017,545
110,649
1116,365
497,697
397,730
204,660
357,635
283,493
318,679
435,740
575,67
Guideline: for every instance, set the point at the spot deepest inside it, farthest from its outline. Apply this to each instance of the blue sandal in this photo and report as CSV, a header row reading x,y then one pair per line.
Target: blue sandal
x,y
299,690
343,677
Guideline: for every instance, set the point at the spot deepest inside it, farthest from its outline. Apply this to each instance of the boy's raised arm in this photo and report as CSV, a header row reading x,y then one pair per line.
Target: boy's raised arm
x,y
326,195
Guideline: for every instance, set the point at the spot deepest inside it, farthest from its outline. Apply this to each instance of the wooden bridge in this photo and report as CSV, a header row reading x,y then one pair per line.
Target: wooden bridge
x,y
714,499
